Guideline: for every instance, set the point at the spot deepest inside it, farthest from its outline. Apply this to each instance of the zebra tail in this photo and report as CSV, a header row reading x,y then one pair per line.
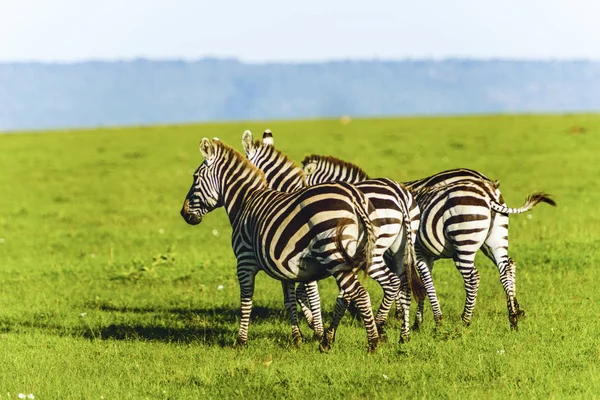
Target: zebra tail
x,y
410,261
532,200
365,250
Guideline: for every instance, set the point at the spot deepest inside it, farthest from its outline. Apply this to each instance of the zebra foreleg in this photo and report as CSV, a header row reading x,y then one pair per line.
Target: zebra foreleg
x,y
246,279
289,301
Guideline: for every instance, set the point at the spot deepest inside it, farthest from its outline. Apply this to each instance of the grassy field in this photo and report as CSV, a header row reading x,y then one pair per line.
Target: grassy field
x,y
107,293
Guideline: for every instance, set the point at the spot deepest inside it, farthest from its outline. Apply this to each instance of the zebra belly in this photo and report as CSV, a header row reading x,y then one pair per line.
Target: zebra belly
x,y
303,267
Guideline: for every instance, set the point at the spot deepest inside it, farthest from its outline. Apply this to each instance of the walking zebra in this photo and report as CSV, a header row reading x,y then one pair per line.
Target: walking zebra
x,y
396,211
294,237
461,212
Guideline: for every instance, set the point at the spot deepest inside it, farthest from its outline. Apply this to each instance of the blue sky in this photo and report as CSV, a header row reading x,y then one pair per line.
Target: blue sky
x,y
270,30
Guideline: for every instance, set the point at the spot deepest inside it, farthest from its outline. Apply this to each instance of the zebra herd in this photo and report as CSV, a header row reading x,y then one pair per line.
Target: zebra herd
x,y
328,218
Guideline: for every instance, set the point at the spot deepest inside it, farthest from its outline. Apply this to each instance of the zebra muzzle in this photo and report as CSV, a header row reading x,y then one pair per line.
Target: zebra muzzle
x,y
192,217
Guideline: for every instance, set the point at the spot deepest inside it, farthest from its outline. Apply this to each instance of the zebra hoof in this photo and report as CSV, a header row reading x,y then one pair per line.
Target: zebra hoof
x,y
514,322
241,343
373,346
382,333
324,347
466,320
329,336
297,341
416,326
404,338
521,314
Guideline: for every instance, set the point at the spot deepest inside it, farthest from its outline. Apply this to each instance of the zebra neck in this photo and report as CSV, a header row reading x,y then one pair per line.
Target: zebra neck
x,y
284,178
281,173
237,185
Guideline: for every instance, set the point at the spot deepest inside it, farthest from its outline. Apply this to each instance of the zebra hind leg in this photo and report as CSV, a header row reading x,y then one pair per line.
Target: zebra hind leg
x,y
349,284
391,286
343,300
425,266
314,300
512,266
507,270
471,279
304,303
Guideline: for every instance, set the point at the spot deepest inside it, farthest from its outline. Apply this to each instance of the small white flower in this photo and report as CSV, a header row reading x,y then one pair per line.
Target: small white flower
x,y
215,232
30,396
21,395
161,231
529,216
385,376
93,255
501,351
83,314
220,287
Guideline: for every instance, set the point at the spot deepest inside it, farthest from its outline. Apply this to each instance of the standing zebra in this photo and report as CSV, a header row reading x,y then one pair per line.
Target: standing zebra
x,y
396,211
461,212
294,237
283,175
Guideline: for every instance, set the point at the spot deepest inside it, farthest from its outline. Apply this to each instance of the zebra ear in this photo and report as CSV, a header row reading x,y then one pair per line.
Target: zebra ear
x,y
247,142
268,138
309,168
207,149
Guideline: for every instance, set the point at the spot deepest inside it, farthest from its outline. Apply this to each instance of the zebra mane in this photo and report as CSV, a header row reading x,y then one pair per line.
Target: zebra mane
x,y
229,152
361,174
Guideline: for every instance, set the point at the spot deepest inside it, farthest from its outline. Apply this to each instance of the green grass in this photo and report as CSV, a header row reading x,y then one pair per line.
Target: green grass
x,y
106,291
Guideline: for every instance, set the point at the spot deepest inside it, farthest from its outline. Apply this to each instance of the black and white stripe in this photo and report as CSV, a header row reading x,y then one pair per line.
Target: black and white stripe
x,y
396,210
294,237
461,212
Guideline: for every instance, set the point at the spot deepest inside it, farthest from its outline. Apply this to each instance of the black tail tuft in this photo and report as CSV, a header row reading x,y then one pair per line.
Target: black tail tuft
x,y
541,197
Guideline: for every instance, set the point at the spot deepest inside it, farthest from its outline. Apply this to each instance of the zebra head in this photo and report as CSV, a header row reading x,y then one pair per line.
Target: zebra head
x,y
204,195
255,149
281,172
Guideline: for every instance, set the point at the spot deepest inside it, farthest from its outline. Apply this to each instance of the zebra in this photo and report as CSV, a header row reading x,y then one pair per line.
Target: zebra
x,y
461,212
283,175
397,214
294,237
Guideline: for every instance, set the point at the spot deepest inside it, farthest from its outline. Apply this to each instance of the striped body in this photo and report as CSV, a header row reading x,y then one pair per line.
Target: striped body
x,y
460,213
396,212
294,237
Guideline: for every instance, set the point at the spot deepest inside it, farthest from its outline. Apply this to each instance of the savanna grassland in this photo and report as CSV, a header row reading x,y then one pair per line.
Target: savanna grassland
x,y
105,292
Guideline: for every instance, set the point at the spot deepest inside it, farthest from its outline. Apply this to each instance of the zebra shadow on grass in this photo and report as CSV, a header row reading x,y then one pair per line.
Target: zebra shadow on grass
x,y
213,326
